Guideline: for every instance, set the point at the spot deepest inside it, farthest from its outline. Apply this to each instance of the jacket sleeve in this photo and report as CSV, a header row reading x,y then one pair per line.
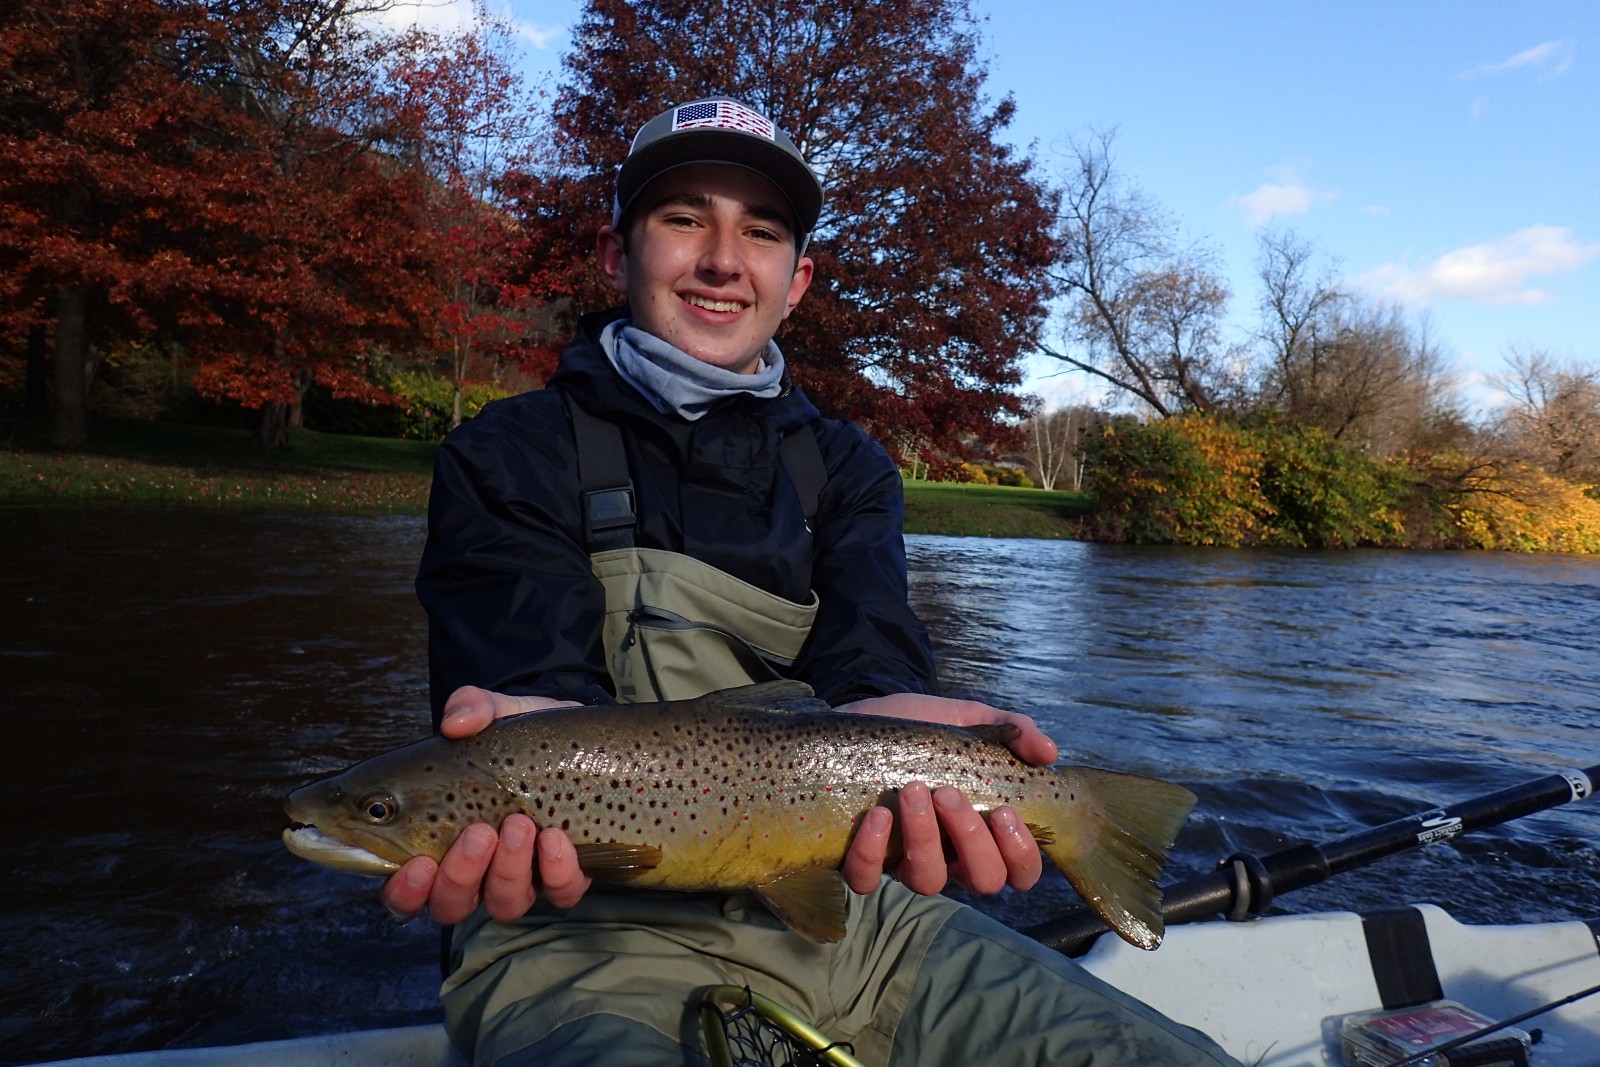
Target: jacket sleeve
x,y
867,641
511,601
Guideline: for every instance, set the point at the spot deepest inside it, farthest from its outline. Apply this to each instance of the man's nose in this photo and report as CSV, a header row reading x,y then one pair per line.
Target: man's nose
x,y
722,255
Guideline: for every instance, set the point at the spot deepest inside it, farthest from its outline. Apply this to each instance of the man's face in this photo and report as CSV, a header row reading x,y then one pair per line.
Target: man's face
x,y
710,263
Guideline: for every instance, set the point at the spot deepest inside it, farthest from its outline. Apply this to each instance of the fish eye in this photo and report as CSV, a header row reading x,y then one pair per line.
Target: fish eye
x,y
379,808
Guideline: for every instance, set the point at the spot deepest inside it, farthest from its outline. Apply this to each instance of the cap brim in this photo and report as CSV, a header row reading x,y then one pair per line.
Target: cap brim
x,y
792,177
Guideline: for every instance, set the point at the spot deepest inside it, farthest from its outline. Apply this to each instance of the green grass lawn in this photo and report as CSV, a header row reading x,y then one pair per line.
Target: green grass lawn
x,y
134,461
961,510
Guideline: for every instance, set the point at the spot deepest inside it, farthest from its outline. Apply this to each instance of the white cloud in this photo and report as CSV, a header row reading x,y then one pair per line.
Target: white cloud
x,y
538,36
1554,57
456,16
1290,195
1493,273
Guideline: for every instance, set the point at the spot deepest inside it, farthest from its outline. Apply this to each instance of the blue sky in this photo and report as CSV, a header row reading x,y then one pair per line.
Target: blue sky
x,y
1445,156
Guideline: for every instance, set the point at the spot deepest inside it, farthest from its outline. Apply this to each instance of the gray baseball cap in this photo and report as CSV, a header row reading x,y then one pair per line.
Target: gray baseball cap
x,y
720,130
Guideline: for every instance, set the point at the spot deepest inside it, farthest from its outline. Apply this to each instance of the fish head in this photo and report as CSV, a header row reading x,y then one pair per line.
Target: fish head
x,y
413,801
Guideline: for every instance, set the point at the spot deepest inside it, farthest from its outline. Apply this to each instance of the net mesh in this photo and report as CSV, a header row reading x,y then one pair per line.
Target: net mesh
x,y
755,1042
752,1037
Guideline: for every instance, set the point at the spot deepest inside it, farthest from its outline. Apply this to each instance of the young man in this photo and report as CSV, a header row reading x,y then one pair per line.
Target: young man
x,y
736,536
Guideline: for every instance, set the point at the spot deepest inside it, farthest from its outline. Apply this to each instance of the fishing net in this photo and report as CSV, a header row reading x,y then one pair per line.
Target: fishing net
x,y
745,1029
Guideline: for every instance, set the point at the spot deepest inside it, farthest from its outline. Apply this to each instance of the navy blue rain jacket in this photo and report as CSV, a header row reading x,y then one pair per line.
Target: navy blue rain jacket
x,y
513,606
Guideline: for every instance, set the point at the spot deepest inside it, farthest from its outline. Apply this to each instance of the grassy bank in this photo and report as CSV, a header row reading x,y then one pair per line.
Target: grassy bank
x,y
959,510
138,462
131,461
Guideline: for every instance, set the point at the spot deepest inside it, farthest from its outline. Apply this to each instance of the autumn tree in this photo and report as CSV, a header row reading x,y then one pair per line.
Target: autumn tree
x,y
1552,414
115,164
472,120
930,281
1362,372
334,268
212,175
1142,312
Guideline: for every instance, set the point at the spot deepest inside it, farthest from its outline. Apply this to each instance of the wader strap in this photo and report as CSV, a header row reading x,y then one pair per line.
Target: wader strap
x,y
608,513
802,458
608,500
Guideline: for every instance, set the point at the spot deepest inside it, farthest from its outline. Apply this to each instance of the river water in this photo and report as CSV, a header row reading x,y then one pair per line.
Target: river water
x,y
169,675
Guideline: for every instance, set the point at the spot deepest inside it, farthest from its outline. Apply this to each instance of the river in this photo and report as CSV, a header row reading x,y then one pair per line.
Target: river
x,y
169,675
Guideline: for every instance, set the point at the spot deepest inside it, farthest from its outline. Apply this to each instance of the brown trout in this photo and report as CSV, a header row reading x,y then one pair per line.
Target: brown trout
x,y
758,788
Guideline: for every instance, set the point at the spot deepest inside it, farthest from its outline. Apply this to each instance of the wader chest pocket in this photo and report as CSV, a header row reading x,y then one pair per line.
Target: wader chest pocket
x,y
677,628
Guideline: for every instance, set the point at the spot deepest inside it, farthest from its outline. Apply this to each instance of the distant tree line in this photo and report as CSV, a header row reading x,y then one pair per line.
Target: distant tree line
x,y
1333,422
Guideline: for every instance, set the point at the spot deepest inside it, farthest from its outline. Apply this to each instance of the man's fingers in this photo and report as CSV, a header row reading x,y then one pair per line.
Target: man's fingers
x,y
560,878
1018,849
1033,745
457,889
405,894
470,709
467,712
863,864
923,868
508,887
978,863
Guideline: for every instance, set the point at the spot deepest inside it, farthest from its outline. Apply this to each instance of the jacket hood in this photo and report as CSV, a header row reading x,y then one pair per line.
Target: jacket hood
x,y
586,373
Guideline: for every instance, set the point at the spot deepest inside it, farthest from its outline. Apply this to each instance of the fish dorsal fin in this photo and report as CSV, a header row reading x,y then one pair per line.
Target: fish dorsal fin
x,y
811,902
996,733
782,694
613,861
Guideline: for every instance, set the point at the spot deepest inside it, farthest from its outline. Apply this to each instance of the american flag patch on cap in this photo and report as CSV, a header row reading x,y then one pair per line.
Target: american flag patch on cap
x,y
722,115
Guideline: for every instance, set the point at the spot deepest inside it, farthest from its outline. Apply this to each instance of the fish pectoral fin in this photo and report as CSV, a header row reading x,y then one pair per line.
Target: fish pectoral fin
x,y
811,902
1042,835
614,861
996,733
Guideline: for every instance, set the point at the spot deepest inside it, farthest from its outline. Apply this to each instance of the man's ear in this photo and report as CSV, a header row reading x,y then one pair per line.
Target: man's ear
x,y
608,247
798,284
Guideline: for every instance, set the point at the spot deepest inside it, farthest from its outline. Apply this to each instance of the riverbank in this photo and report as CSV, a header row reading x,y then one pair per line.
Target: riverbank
x,y
159,463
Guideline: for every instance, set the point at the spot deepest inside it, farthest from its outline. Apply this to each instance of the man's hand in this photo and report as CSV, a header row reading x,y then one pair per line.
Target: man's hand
x,y
482,866
987,855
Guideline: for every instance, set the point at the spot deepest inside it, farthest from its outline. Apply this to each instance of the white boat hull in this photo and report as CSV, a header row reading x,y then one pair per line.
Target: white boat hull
x,y
1271,991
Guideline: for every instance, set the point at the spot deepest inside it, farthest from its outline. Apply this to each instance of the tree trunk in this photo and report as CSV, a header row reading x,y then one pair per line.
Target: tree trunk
x,y
272,430
36,393
70,427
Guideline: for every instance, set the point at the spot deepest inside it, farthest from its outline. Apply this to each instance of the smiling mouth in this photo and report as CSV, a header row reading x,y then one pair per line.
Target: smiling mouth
x,y
712,305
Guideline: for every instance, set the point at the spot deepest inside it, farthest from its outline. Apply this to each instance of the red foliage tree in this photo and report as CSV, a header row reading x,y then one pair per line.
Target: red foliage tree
x,y
213,175
473,120
932,250
115,163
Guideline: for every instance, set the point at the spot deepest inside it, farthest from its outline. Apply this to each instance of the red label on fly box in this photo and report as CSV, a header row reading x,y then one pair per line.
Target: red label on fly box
x,y
1426,1027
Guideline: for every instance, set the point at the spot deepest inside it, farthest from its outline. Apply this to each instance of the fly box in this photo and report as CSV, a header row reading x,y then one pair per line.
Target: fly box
x,y
1382,1038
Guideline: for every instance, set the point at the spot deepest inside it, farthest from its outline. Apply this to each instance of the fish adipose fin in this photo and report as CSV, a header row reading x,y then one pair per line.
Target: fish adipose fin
x,y
1114,857
811,902
996,733
612,861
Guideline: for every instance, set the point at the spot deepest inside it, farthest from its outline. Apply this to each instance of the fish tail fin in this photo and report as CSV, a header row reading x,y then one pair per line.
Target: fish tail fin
x,y
1114,847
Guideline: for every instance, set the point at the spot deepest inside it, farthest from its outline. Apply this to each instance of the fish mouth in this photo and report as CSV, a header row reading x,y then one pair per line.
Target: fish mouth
x,y
310,843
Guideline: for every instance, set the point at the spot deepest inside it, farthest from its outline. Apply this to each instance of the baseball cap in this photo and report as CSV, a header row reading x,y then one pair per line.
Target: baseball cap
x,y
720,130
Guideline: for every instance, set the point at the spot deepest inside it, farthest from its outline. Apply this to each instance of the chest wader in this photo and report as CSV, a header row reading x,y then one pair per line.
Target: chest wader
x,y
676,627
